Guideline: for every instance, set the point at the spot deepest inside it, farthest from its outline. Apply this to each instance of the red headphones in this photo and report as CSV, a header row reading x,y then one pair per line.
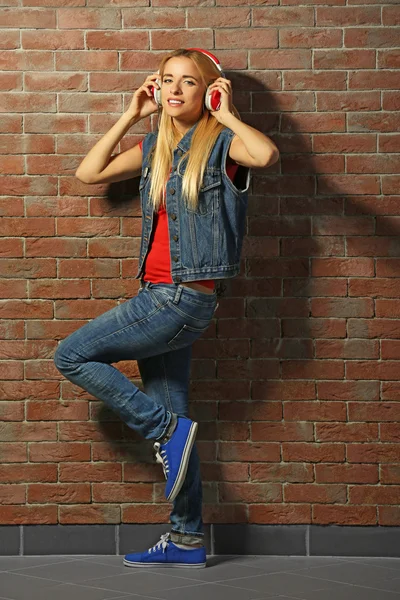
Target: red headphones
x,y
212,99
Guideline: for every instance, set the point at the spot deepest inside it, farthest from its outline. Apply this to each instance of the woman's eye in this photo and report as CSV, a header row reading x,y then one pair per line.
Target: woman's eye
x,y
188,80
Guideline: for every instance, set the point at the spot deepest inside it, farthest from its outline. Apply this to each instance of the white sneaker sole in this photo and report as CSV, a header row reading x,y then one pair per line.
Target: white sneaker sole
x,y
182,565
183,467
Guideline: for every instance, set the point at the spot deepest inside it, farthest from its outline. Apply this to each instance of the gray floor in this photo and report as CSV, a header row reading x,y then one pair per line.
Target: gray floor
x,y
224,578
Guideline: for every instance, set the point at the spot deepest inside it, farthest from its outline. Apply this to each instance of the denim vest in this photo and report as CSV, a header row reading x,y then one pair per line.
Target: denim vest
x,y
205,243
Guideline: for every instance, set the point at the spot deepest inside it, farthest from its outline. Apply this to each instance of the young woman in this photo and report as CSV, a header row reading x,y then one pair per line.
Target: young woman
x,y
194,177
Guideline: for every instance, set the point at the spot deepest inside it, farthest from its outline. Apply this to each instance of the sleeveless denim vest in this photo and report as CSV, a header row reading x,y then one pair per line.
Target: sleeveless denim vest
x,y
205,243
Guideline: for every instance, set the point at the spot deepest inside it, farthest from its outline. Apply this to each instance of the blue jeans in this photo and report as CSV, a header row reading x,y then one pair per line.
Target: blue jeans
x,y
156,328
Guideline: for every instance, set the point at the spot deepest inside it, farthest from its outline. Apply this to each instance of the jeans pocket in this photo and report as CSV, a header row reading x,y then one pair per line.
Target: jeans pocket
x,y
186,336
161,298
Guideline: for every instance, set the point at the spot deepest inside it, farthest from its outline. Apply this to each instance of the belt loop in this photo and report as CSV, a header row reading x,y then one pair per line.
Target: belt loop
x,y
178,293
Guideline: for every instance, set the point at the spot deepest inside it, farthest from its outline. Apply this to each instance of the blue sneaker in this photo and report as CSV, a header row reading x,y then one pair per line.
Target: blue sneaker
x,y
166,554
174,455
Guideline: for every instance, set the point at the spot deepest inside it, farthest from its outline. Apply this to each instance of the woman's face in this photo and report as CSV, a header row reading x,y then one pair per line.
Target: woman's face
x,y
182,81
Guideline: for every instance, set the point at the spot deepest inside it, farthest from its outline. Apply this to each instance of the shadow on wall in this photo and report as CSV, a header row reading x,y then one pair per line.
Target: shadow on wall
x,y
295,340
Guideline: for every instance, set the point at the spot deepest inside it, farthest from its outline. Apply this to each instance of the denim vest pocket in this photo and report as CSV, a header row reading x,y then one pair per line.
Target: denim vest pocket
x,y
185,337
209,194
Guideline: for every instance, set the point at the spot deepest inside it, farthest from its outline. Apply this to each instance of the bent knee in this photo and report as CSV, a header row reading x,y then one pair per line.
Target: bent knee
x,y
61,358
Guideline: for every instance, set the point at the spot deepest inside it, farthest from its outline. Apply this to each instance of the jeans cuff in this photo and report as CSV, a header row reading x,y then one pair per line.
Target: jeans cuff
x,y
187,538
167,433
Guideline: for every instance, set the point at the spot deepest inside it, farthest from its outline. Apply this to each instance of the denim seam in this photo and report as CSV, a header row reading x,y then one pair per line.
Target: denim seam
x,y
122,406
203,302
197,298
166,388
187,316
193,301
156,300
185,499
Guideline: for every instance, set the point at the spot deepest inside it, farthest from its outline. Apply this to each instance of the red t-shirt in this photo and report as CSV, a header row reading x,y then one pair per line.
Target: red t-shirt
x,y
157,267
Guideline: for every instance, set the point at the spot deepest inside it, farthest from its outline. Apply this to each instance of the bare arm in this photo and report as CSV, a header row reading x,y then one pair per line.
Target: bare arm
x,y
99,166
250,147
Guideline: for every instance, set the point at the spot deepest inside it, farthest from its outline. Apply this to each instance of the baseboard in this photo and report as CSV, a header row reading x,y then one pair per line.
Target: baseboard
x,y
274,540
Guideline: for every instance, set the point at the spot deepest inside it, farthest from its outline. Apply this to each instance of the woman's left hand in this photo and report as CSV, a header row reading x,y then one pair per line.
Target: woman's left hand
x,y
224,86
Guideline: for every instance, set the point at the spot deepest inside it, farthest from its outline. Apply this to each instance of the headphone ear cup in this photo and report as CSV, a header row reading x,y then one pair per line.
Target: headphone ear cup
x,y
213,99
157,91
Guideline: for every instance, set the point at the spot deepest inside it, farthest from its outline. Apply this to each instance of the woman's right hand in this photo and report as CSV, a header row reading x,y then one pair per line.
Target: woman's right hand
x,y
143,103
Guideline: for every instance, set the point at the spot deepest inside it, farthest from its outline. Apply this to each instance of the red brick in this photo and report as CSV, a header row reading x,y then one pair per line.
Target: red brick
x,y
313,452
275,432
59,451
388,515
250,493
89,514
122,492
348,15
344,515
276,514
346,432
29,515
373,453
346,473
315,411
61,493
313,493
371,494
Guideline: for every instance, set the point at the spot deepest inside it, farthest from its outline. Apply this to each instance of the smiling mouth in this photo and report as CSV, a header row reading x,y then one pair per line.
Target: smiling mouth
x,y
175,103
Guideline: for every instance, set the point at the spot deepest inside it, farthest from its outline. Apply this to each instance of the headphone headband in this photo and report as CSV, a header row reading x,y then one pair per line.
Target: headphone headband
x,y
211,57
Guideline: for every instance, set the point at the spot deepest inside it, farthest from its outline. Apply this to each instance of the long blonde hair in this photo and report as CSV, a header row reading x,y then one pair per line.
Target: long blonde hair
x,y
203,139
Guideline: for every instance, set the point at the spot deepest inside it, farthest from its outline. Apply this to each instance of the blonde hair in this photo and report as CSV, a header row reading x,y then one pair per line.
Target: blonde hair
x,y
202,142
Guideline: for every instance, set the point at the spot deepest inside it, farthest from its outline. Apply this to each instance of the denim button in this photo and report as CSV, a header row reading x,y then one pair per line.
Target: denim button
x,y
173,216
175,238
172,191
175,258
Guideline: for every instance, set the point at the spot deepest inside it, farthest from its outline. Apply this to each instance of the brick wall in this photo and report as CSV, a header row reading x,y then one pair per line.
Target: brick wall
x,y
296,383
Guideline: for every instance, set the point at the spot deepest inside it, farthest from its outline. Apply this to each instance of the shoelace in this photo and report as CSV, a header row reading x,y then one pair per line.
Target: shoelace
x,y
161,457
162,543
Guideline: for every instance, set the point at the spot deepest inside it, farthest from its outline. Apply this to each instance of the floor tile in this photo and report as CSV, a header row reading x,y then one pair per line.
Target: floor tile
x,y
21,587
352,573
73,571
218,572
12,563
114,561
281,583
274,564
348,592
63,591
210,591
140,581
388,563
389,585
